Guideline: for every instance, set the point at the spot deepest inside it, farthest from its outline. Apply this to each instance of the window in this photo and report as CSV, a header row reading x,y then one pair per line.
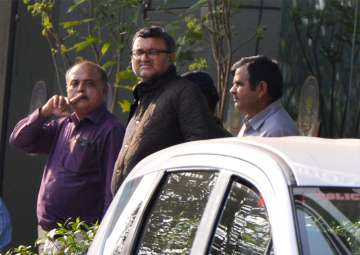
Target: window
x,y
243,227
328,220
124,210
175,215
314,233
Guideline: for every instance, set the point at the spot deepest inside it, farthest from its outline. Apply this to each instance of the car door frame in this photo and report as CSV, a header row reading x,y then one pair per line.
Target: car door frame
x,y
274,190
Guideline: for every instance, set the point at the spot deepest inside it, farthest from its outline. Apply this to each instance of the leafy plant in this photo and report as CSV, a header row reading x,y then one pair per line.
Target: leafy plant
x,y
95,30
21,250
349,232
71,238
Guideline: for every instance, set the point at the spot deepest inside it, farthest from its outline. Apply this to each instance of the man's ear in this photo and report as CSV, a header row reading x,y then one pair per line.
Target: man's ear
x,y
262,89
172,57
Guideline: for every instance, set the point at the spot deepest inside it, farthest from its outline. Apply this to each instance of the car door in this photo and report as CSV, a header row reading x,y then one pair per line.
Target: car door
x,y
193,205
232,207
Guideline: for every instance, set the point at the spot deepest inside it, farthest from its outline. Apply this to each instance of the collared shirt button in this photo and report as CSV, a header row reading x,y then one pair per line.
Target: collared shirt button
x,y
137,122
117,171
126,145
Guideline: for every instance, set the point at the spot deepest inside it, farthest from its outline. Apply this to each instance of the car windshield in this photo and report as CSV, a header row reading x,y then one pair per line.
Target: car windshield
x,y
328,220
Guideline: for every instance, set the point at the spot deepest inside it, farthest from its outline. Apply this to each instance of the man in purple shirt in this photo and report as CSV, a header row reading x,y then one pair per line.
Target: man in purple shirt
x,y
82,141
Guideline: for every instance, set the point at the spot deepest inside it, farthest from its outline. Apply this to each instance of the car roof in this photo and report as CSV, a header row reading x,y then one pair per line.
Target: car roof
x,y
309,161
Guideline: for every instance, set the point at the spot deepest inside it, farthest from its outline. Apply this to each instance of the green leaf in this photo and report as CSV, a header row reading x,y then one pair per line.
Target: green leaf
x,y
125,75
124,105
90,40
76,5
105,48
63,49
193,24
75,23
198,64
46,22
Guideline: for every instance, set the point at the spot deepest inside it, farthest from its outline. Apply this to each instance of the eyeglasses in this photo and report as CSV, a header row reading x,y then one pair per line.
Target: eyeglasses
x,y
152,53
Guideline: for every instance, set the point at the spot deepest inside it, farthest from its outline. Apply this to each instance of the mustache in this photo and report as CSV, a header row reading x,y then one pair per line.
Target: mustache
x,y
74,99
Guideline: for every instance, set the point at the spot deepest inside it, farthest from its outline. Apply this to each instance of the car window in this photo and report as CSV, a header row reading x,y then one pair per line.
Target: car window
x,y
173,219
328,220
243,227
314,233
124,210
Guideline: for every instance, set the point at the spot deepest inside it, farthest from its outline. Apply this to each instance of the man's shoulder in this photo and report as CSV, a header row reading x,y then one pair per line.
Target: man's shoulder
x,y
179,82
281,116
181,86
109,122
280,123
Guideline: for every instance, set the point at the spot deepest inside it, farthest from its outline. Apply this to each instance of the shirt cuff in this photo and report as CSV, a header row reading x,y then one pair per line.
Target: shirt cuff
x,y
35,117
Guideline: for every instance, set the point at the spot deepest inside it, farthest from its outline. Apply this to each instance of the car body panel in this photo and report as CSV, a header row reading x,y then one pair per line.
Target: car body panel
x,y
312,161
272,165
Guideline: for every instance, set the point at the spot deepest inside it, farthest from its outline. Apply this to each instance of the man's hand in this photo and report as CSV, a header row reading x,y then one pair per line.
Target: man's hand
x,y
58,106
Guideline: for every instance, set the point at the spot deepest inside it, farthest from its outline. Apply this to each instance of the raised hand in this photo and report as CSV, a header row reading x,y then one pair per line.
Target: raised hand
x,y
58,106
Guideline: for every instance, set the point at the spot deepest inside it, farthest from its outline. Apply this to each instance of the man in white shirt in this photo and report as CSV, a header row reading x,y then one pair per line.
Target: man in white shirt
x,y
256,91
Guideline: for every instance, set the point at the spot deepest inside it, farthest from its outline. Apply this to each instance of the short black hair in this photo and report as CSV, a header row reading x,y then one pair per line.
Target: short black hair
x,y
206,85
261,68
156,32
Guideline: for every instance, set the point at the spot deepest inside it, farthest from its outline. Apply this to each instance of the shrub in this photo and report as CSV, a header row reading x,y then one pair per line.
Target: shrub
x,y
70,238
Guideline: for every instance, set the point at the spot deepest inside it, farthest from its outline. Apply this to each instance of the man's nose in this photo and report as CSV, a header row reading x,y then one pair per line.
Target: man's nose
x,y
231,90
144,56
82,86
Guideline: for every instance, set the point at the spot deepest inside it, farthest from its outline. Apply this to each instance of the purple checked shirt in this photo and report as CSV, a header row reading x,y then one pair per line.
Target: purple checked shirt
x,y
77,175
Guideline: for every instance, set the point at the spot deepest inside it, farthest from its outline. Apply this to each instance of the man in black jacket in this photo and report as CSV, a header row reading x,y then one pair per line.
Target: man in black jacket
x,y
168,109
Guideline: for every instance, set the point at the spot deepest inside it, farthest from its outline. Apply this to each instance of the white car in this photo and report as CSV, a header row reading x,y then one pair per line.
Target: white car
x,y
291,195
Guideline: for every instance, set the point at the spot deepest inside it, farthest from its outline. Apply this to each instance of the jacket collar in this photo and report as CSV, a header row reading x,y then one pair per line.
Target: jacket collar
x,y
154,83
144,87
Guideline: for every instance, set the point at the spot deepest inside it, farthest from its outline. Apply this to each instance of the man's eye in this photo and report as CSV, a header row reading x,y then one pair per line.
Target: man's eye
x,y
153,52
138,53
90,83
74,84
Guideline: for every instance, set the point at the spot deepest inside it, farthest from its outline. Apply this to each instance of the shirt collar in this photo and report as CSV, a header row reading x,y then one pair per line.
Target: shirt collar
x,y
95,116
258,120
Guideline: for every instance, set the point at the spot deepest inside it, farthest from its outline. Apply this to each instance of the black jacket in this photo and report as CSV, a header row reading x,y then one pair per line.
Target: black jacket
x,y
167,111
